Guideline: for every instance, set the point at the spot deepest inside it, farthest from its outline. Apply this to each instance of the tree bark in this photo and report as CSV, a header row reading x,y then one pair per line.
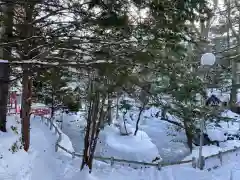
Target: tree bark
x,y
26,109
109,110
189,134
233,94
7,29
4,77
138,120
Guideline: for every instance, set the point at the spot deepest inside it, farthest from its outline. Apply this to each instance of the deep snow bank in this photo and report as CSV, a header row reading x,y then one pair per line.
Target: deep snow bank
x,y
65,142
137,148
13,165
170,141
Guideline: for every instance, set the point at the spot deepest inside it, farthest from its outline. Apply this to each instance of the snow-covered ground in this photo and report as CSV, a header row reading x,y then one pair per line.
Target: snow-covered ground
x,y
159,138
39,161
156,137
42,162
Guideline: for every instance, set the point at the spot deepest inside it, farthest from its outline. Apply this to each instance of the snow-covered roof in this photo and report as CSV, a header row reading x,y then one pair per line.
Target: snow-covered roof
x,y
222,96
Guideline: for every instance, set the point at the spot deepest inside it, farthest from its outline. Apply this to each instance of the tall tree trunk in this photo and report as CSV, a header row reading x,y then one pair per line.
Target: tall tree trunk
x,y
144,100
189,134
117,107
233,93
27,31
87,133
139,118
109,110
26,108
4,77
7,28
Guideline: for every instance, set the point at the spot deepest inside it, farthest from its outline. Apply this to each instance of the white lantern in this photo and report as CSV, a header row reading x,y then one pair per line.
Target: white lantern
x,y
208,59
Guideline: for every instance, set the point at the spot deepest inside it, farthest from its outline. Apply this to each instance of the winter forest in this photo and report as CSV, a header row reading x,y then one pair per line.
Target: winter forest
x,y
130,89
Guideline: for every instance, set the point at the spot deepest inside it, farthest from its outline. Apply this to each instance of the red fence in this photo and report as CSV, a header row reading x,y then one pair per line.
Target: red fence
x,y
35,111
41,111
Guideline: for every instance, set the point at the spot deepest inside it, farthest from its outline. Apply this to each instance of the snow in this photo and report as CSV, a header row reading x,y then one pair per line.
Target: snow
x,y
169,140
73,127
111,142
211,149
230,114
136,148
232,127
216,134
170,146
11,163
42,162
38,105
65,142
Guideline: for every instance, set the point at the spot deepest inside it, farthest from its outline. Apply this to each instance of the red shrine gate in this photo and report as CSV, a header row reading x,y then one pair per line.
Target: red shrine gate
x,y
12,102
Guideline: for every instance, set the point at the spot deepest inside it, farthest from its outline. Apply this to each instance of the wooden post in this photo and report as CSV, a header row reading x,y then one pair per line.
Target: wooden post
x,y
231,175
159,166
112,161
220,156
73,155
194,162
201,162
61,122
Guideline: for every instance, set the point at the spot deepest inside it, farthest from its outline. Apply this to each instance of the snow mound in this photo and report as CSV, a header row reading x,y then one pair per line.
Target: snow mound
x,y
13,165
170,143
216,134
65,142
230,114
137,148
168,138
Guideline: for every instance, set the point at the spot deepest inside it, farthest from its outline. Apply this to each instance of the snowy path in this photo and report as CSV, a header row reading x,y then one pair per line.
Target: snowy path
x,y
42,144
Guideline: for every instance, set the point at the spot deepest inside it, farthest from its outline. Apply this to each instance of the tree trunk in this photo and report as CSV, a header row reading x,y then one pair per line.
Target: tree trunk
x,y
188,132
144,99
109,111
7,28
233,94
26,109
138,120
96,132
117,108
4,77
